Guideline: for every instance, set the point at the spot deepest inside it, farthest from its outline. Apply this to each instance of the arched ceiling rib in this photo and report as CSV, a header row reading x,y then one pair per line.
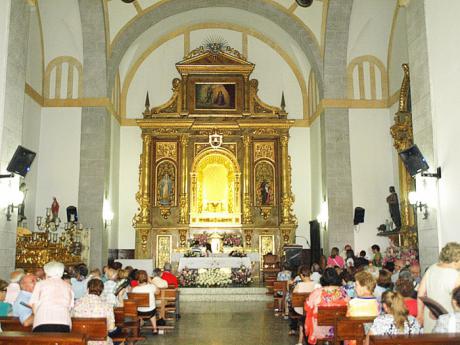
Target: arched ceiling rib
x,y
275,13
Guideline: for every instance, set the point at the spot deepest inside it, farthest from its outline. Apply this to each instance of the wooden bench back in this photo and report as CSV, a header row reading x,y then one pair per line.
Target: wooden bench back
x,y
12,324
352,328
281,287
327,316
168,294
28,338
142,299
130,308
419,339
298,299
95,329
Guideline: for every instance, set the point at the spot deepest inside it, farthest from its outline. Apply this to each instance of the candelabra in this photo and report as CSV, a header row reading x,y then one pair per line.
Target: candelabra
x,y
49,222
48,244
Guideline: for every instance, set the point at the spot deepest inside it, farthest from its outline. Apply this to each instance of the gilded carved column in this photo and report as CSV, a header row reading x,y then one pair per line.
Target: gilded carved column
x,y
285,197
402,133
247,207
183,202
141,221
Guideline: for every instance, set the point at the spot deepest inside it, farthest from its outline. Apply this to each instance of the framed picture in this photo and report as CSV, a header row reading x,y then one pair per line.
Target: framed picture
x,y
209,95
216,95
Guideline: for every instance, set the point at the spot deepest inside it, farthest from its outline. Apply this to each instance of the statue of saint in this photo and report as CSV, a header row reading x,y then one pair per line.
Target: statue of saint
x,y
393,205
55,208
165,189
265,193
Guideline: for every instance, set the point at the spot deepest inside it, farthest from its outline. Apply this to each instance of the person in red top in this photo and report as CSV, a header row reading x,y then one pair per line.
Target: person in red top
x,y
406,288
168,276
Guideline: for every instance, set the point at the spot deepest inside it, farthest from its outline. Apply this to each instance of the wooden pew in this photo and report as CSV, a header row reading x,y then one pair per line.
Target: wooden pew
x,y
298,301
328,316
352,328
131,322
94,328
279,295
29,338
167,306
416,339
12,324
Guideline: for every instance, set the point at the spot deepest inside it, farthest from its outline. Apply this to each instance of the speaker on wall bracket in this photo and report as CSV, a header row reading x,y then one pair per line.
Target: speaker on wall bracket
x,y
359,215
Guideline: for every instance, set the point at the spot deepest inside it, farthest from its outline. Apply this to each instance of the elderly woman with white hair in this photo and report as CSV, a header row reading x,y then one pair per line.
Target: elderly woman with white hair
x,y
52,301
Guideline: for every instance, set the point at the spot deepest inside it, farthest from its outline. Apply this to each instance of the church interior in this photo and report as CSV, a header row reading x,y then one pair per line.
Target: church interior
x,y
239,148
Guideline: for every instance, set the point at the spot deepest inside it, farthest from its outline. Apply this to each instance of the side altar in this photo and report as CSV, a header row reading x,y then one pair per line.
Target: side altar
x,y
214,162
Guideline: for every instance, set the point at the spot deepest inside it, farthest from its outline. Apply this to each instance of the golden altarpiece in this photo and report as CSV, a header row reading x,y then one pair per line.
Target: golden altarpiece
x,y
214,160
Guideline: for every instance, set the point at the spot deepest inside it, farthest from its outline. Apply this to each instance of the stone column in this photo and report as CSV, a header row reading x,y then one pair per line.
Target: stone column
x,y
183,201
422,121
247,206
335,141
11,114
95,130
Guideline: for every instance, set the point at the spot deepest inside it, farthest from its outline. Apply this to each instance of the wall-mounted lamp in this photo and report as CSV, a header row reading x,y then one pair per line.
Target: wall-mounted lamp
x,y
107,214
16,200
418,201
323,215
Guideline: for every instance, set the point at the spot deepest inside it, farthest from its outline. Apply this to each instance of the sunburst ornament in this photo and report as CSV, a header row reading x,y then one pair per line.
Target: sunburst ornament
x,y
215,44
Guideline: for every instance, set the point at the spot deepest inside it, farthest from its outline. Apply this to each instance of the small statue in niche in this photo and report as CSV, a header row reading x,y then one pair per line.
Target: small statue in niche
x,y
165,189
393,205
265,193
55,209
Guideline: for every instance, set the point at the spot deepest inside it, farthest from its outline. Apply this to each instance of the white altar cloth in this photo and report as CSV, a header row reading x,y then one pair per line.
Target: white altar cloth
x,y
213,262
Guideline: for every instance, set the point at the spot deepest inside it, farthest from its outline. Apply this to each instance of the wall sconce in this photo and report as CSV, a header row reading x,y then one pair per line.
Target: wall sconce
x,y
107,214
323,215
418,201
16,200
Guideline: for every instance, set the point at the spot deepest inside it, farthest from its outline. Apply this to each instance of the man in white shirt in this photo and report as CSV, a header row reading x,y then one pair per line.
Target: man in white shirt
x,y
156,279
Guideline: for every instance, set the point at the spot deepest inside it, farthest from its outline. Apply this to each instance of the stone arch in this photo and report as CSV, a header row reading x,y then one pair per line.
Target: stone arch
x,y
295,28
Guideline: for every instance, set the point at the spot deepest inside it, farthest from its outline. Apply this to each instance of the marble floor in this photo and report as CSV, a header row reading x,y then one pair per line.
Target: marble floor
x,y
226,323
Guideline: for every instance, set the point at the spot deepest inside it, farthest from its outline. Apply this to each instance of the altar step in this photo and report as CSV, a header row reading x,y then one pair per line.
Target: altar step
x,y
225,294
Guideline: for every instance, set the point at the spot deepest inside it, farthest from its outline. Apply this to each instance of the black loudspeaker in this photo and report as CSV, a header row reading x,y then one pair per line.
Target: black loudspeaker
x,y
304,3
315,241
359,215
21,161
413,160
295,256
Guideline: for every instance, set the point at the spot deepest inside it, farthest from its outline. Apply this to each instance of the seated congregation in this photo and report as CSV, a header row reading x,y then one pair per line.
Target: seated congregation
x,y
112,307
356,300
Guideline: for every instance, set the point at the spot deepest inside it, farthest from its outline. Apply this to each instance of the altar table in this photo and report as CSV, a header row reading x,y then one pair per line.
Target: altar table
x,y
213,262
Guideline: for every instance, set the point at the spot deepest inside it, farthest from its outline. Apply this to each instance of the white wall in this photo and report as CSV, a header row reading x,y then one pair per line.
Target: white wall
x,y
443,38
31,139
299,150
398,51
4,30
114,183
34,75
61,29
130,150
370,26
372,172
58,159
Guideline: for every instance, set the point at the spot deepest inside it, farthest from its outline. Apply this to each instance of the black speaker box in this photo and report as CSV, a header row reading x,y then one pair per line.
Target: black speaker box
x,y
315,241
413,160
359,215
21,161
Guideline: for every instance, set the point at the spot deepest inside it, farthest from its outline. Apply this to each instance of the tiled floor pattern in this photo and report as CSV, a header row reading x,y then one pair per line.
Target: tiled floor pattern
x,y
226,323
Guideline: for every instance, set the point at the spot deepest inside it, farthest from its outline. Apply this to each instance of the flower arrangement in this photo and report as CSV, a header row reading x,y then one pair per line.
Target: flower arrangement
x,y
393,253
241,276
201,238
193,254
232,240
187,277
237,254
214,277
